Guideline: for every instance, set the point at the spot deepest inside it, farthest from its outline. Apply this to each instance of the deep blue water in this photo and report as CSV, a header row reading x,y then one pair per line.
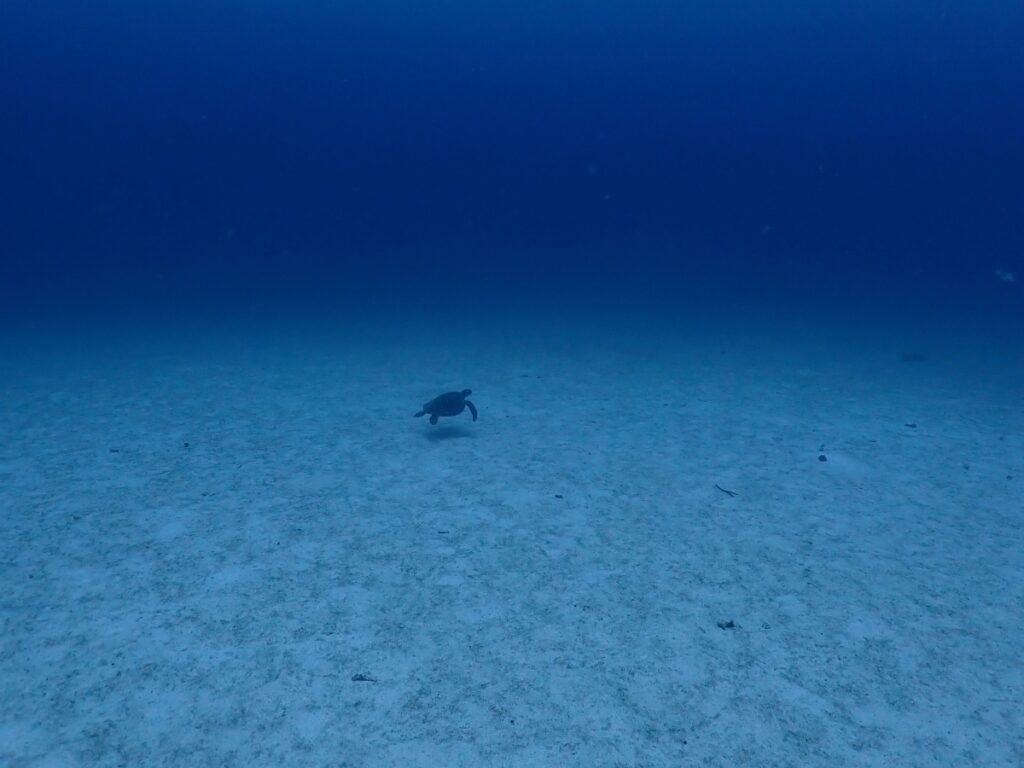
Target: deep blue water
x,y
858,158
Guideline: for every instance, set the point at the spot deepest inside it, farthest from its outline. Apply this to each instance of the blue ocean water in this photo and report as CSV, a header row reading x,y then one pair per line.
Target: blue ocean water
x,y
272,155
738,291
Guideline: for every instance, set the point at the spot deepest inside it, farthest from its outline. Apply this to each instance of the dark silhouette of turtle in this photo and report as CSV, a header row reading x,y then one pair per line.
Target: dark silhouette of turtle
x,y
448,404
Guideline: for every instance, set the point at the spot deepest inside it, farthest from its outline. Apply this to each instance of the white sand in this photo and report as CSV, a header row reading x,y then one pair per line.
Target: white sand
x,y
541,588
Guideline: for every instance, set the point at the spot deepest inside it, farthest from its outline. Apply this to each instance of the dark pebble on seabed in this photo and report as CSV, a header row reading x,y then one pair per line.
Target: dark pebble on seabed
x,y
730,624
361,678
187,445
911,425
115,450
822,457
559,496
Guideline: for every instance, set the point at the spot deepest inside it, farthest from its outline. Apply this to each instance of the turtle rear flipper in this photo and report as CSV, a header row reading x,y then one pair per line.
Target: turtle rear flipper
x,y
417,415
472,409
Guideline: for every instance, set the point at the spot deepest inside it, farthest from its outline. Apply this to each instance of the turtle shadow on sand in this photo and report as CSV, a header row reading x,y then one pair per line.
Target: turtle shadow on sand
x,y
447,432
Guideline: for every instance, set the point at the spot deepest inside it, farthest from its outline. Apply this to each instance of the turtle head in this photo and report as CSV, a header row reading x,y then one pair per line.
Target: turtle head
x,y
466,392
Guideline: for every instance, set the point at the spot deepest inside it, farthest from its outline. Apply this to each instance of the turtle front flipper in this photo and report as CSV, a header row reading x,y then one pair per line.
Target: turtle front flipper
x,y
472,409
433,418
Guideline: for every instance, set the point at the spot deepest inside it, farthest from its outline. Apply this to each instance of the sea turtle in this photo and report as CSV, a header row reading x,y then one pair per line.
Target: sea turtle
x,y
448,404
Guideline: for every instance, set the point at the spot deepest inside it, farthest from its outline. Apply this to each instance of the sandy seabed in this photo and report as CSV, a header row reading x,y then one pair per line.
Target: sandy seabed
x,y
250,554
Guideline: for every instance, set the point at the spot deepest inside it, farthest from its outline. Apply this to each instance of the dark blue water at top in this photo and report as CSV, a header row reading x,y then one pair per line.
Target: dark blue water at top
x,y
866,155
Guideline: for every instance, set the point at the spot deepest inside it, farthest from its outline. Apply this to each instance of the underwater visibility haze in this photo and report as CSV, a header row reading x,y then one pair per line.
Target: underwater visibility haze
x,y
715,313
232,153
